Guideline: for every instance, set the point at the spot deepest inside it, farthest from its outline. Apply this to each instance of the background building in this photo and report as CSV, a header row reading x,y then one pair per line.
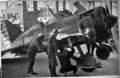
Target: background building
x,y
59,5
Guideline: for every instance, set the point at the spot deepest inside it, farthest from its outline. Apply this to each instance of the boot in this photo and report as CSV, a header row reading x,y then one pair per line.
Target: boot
x,y
33,73
65,74
54,71
30,70
51,72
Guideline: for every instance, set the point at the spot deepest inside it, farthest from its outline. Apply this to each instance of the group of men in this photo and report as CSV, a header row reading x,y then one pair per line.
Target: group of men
x,y
86,26
52,51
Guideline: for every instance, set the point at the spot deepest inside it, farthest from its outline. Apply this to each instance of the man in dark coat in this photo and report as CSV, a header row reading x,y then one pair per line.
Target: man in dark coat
x,y
52,51
35,46
64,57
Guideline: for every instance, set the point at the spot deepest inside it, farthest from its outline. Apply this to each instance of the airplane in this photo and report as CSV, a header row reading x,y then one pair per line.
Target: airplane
x,y
69,26
12,36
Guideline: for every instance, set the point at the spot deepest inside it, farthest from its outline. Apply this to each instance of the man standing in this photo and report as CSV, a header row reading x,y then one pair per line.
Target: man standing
x,y
86,26
52,51
35,46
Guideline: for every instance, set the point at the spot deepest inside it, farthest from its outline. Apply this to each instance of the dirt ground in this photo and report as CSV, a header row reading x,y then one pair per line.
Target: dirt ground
x,y
17,67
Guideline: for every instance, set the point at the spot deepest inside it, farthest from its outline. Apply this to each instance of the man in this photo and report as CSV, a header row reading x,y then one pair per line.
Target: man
x,y
35,46
64,57
86,26
52,51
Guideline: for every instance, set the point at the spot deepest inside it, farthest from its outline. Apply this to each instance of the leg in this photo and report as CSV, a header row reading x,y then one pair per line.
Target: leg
x,y
63,70
74,58
65,74
92,50
88,48
93,42
54,71
88,44
70,68
80,50
74,69
31,62
50,68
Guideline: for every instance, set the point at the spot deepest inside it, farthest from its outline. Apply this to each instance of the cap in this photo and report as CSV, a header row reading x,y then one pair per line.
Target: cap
x,y
55,31
40,35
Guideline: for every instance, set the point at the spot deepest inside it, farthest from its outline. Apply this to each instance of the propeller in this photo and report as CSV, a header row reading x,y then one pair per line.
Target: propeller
x,y
107,10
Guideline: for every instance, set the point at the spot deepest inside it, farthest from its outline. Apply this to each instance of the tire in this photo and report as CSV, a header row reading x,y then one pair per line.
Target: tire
x,y
102,52
110,49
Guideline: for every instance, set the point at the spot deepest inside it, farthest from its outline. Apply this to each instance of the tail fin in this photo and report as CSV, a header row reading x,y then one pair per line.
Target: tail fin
x,y
10,31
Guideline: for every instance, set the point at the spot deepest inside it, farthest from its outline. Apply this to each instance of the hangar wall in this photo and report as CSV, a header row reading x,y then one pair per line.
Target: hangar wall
x,y
59,5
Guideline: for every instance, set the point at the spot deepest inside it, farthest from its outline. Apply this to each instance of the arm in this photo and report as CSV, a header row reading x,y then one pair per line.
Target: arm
x,y
39,44
70,53
81,27
55,45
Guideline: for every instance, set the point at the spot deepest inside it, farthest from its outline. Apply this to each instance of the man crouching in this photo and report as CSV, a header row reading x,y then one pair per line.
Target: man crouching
x,y
35,46
64,57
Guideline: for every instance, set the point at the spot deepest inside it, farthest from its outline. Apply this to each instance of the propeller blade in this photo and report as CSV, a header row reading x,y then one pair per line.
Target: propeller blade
x,y
107,10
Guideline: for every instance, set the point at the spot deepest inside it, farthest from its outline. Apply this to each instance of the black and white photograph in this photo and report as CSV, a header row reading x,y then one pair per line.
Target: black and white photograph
x,y
60,38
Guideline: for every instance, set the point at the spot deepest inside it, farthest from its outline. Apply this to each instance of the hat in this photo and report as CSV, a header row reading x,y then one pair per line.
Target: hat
x,y
40,35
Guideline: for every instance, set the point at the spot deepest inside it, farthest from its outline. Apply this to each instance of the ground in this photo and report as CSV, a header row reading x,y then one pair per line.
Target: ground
x,y
17,67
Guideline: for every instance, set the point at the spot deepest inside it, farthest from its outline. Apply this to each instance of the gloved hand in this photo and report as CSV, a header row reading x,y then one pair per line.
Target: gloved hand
x,y
40,50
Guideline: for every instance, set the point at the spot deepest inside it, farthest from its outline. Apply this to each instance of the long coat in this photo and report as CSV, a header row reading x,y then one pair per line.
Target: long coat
x,y
52,49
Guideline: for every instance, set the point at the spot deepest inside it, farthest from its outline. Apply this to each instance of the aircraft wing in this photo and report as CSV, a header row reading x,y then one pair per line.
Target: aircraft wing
x,y
68,25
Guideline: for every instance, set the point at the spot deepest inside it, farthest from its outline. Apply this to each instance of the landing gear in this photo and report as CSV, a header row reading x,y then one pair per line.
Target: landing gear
x,y
103,52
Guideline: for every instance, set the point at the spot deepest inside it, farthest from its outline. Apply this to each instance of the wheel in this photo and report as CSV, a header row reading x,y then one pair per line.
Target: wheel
x,y
110,49
102,52
88,69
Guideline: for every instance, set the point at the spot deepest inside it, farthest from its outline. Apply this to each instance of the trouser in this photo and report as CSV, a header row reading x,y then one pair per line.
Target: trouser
x,y
69,68
52,70
52,62
31,55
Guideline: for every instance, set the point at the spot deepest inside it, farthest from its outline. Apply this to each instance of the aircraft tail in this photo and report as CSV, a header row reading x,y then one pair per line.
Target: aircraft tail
x,y
10,31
